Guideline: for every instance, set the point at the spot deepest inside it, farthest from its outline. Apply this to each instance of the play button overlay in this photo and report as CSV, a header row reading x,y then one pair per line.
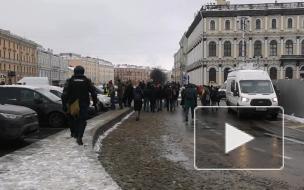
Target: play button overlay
x,y
235,138
225,141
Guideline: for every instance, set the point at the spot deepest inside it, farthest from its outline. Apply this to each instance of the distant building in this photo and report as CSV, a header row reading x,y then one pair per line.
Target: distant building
x,y
18,57
222,36
98,70
132,73
52,66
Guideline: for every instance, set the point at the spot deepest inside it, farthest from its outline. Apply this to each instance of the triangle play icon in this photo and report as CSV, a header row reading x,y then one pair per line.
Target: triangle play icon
x,y
235,138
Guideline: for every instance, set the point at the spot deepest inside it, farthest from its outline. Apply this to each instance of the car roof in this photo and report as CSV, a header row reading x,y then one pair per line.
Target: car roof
x,y
20,86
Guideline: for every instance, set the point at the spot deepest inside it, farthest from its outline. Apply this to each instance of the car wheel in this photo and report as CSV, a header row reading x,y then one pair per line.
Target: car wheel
x,y
56,120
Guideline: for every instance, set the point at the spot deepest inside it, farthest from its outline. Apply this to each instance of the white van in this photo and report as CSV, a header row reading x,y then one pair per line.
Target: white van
x,y
250,88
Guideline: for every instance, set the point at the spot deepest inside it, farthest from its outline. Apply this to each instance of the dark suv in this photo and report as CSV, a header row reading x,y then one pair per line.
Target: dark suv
x,y
47,105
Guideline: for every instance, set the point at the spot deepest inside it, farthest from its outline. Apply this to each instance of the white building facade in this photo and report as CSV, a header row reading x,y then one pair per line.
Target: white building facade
x,y
222,36
52,66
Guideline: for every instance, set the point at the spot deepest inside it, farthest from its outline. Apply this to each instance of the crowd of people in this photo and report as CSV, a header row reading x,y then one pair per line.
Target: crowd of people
x,y
149,97
154,96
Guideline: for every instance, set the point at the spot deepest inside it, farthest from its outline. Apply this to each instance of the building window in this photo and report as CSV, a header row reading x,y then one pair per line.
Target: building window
x,y
258,24
289,73
273,48
274,24
289,23
289,47
227,49
273,73
212,75
258,49
227,25
241,49
303,47
226,71
212,25
212,49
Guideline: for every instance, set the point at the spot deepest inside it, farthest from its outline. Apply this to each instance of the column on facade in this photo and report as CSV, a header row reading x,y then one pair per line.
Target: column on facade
x,y
266,48
205,25
298,46
220,24
205,49
250,48
281,72
298,22
282,46
250,24
205,75
235,24
298,72
220,48
235,49
282,22
220,75
266,23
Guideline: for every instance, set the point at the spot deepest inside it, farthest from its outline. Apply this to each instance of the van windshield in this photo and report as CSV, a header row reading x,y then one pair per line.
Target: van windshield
x,y
256,86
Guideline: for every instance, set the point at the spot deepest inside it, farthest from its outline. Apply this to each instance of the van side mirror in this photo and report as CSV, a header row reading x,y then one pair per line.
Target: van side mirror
x,y
236,93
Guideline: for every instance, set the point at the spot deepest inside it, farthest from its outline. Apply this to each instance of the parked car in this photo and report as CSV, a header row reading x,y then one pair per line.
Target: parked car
x,y
104,101
17,122
222,91
34,81
47,105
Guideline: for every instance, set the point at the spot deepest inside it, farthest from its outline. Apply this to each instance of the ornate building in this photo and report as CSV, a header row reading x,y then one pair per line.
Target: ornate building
x,y
223,35
98,70
132,73
52,66
18,57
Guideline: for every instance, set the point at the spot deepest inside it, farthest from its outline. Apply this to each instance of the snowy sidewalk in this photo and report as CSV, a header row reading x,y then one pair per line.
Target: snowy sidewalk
x,y
57,162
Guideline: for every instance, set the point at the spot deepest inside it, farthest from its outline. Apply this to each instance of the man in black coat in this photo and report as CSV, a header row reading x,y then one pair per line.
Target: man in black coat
x,y
78,87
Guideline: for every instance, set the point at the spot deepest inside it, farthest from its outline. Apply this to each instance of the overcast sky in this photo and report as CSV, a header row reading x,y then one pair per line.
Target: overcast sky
x,y
141,32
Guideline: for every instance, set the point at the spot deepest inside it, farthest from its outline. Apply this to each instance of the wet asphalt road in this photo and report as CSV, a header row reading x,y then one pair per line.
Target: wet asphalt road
x,y
158,153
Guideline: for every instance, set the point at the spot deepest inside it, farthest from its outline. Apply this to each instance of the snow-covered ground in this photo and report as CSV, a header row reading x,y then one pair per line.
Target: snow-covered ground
x,y
57,162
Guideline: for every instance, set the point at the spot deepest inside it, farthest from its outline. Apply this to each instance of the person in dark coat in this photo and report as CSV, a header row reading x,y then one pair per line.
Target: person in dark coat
x,y
138,97
152,97
78,89
190,100
147,93
120,92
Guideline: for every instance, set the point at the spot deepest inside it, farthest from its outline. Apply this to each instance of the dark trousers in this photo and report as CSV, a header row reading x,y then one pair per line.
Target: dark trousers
x,y
78,124
187,112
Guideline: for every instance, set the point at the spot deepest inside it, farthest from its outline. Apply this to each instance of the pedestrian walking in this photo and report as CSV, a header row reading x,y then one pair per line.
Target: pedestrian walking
x,y
76,102
138,97
214,98
190,100
120,92
112,94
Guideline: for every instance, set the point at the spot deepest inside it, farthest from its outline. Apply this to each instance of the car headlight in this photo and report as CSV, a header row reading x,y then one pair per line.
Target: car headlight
x,y
10,116
245,99
275,99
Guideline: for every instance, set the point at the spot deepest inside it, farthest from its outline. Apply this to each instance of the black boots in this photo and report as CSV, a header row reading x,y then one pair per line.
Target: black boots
x,y
79,141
